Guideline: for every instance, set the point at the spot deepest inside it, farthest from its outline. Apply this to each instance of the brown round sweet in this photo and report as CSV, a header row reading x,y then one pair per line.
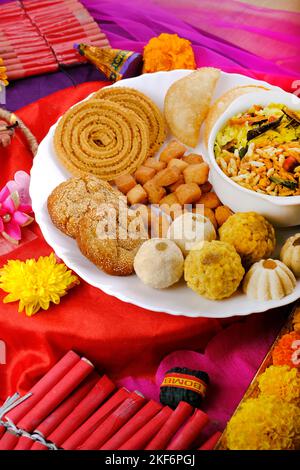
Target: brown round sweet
x,y
144,107
111,240
69,201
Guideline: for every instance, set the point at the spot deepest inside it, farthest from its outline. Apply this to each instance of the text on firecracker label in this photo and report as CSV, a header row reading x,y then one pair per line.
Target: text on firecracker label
x,y
180,380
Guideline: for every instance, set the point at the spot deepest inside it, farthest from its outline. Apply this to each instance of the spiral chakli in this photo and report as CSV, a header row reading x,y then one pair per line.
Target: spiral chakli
x,y
102,138
143,107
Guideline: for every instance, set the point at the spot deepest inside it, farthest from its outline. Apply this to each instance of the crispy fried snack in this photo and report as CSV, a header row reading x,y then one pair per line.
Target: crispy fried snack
x,y
187,103
102,138
144,107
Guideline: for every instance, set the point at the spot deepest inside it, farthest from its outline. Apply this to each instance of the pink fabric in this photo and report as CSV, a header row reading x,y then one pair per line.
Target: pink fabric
x,y
270,34
224,33
258,42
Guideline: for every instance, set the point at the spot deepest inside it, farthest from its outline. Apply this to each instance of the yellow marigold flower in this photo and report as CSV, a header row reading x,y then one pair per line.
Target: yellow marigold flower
x,y
36,283
264,423
168,52
3,76
281,382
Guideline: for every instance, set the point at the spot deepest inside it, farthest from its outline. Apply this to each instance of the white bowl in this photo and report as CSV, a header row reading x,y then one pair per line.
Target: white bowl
x,y
280,211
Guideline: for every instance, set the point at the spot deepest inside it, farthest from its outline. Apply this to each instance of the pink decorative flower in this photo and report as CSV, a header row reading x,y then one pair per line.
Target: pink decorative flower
x,y
15,207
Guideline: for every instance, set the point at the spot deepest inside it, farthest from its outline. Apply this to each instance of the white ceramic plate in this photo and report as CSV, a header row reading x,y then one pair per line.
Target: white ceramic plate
x,y
47,173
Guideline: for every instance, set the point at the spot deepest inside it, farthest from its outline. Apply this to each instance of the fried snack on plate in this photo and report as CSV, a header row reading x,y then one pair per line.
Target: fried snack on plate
x,y
206,187
210,214
155,164
137,195
102,138
188,193
155,192
222,103
159,224
170,199
141,105
144,174
174,210
196,173
193,158
178,163
125,183
187,103
173,149
222,213
176,185
205,211
210,200
167,176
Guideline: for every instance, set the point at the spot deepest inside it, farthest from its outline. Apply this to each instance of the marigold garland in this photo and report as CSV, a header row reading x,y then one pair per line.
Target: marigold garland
x,y
282,383
36,283
286,351
264,424
168,52
272,420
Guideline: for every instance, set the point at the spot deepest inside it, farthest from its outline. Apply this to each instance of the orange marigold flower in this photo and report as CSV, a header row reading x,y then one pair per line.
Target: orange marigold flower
x,y
3,76
287,350
168,52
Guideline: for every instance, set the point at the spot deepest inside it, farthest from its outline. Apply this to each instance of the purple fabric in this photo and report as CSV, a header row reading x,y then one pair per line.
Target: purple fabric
x,y
227,34
141,20
272,35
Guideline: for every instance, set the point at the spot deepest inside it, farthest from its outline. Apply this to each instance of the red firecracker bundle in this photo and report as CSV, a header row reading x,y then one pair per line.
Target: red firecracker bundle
x,y
37,37
73,408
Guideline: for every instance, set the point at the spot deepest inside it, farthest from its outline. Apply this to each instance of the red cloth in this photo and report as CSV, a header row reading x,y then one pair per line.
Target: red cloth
x,y
121,339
